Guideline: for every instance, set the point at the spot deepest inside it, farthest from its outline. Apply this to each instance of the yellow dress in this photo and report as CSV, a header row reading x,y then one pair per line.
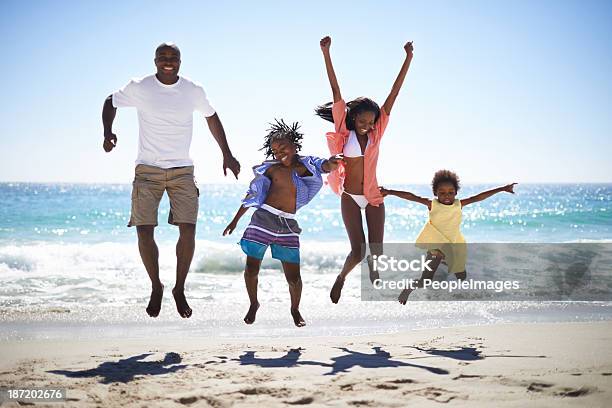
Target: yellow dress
x,y
443,232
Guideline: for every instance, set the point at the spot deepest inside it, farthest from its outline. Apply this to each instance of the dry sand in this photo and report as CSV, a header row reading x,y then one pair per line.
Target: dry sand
x,y
514,365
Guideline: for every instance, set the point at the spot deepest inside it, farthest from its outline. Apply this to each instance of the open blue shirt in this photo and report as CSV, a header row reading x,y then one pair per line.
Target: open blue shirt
x,y
306,187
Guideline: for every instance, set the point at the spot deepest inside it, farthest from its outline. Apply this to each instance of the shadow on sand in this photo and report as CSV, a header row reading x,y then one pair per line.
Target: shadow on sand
x,y
342,363
125,370
464,353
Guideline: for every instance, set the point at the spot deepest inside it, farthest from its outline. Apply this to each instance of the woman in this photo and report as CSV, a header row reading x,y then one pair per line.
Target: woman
x,y
359,125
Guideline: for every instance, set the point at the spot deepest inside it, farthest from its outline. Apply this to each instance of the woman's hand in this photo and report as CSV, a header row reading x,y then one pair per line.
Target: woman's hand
x,y
333,162
384,191
409,49
325,43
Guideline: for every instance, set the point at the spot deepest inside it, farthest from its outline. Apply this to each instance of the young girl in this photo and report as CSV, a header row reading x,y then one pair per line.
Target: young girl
x,y
441,236
280,188
359,125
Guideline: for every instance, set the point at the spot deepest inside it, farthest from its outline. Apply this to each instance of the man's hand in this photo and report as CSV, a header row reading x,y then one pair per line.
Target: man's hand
x,y
110,142
384,191
333,162
509,188
409,49
230,162
230,228
325,43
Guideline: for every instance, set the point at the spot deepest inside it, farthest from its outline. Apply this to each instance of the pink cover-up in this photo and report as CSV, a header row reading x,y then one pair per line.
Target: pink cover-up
x,y
336,141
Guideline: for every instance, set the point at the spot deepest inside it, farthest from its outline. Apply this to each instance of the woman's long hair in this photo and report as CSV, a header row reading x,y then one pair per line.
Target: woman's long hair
x,y
354,107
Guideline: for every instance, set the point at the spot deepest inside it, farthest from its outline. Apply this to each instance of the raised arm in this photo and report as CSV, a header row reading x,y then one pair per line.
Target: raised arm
x,y
108,116
486,194
229,161
406,196
333,81
399,81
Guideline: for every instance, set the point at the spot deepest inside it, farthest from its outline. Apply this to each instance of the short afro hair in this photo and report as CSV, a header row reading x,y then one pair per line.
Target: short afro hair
x,y
168,45
282,131
445,176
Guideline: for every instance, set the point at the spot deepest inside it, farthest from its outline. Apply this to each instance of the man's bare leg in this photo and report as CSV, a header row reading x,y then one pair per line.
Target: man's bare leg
x,y
150,258
251,272
292,274
185,248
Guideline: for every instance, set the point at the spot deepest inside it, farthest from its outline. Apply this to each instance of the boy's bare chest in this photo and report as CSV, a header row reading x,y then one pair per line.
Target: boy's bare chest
x,y
283,175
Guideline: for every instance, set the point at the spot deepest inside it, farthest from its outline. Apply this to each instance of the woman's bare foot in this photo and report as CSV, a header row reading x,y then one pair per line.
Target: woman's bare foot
x,y
374,275
297,318
337,289
155,301
403,297
250,316
181,303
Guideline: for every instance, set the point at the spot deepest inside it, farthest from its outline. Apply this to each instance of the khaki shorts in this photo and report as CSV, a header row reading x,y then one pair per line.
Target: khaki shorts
x,y
148,188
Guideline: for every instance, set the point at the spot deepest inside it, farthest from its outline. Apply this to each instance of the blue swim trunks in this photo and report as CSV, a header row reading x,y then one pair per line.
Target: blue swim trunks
x,y
272,228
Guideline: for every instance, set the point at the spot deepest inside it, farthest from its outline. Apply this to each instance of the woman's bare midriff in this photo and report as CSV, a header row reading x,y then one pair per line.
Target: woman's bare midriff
x,y
353,180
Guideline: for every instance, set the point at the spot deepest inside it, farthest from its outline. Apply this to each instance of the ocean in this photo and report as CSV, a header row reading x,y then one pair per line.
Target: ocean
x,y
68,260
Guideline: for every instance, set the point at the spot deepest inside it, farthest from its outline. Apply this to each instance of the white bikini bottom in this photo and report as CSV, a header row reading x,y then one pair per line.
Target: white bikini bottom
x,y
359,199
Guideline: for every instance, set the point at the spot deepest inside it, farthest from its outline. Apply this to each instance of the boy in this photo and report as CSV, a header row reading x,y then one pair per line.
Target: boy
x,y
279,189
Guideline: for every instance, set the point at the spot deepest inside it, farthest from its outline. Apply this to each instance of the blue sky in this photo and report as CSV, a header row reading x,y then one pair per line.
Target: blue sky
x,y
497,91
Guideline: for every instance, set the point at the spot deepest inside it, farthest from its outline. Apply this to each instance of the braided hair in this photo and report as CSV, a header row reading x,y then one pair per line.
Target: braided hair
x,y
282,131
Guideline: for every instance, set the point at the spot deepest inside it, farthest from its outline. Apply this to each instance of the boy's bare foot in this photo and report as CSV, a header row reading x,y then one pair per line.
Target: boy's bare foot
x,y
403,297
297,318
181,303
337,289
250,316
155,301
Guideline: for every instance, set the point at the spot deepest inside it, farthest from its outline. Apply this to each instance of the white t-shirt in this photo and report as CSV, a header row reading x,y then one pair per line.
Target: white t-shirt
x,y
165,118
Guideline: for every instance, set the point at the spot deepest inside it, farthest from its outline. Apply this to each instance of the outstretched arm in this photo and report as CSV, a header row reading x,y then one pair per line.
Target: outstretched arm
x,y
406,196
108,116
486,194
333,81
332,163
399,81
229,161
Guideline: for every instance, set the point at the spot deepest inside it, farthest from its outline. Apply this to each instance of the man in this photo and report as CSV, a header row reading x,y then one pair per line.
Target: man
x,y
165,103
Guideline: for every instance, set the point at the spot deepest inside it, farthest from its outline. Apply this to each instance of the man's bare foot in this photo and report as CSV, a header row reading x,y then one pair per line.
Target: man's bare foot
x,y
297,318
155,301
403,297
337,289
250,316
181,303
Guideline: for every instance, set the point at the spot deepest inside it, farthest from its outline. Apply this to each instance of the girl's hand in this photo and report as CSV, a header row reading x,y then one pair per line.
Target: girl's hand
x,y
408,47
384,191
509,188
325,43
230,228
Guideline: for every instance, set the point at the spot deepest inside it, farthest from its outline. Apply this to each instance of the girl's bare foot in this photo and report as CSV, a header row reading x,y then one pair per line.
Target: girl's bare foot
x,y
181,303
155,301
297,318
403,297
250,316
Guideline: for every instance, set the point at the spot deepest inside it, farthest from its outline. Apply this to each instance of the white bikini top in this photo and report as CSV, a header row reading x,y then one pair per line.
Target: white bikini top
x,y
352,147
